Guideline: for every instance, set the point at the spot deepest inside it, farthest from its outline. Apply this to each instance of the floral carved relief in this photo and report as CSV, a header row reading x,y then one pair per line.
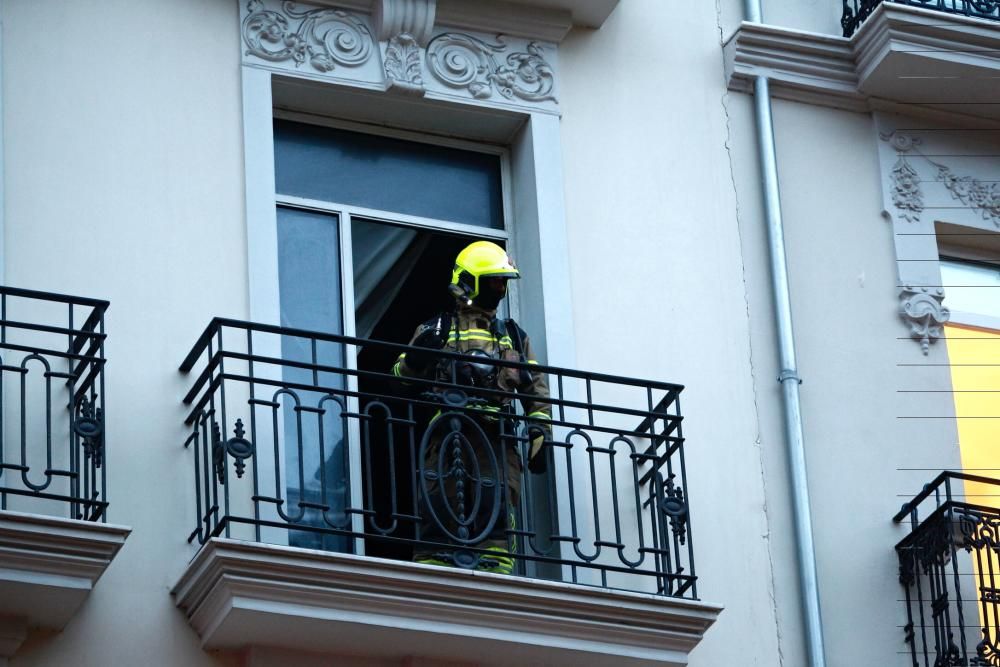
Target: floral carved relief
x,y
322,37
906,194
403,64
973,193
463,61
908,197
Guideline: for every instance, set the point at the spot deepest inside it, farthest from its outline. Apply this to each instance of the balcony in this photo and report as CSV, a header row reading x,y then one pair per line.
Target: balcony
x,y
54,543
935,55
856,11
318,480
949,566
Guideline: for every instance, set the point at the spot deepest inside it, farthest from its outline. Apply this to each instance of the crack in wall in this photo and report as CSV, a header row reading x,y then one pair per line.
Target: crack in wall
x,y
753,375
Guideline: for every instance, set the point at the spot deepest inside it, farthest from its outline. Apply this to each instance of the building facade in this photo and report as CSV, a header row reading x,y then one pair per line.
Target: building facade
x,y
251,191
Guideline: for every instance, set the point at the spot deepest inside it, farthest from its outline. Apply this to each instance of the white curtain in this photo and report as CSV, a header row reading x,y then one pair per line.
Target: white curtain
x,y
384,256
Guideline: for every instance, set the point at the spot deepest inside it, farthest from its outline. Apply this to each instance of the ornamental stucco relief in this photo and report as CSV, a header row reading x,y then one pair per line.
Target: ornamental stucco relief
x,y
399,48
322,37
403,64
931,176
923,310
463,61
908,196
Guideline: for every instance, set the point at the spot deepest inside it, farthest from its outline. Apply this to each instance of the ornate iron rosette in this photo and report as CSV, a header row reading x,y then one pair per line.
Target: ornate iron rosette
x,y
239,448
89,426
454,485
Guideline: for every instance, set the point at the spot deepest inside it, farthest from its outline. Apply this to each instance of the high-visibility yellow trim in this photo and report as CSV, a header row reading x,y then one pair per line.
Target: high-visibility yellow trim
x,y
538,414
396,370
532,361
503,340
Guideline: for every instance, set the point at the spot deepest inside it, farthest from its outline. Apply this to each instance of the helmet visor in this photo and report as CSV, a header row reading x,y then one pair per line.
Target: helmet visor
x,y
500,274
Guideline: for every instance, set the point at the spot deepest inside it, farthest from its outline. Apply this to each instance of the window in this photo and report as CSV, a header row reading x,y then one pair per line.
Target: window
x,y
517,151
368,226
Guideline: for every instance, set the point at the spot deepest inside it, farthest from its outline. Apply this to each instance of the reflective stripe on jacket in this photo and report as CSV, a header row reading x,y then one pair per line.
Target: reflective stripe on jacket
x,y
472,329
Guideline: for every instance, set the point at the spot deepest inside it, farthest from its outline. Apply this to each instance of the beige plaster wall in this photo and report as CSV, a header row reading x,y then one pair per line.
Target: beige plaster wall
x,y
853,349
658,278
123,181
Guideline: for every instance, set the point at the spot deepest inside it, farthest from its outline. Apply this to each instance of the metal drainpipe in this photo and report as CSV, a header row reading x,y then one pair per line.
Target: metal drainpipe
x,y
789,377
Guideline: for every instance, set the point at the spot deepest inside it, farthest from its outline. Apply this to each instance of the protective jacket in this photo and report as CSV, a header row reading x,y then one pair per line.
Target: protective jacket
x,y
474,331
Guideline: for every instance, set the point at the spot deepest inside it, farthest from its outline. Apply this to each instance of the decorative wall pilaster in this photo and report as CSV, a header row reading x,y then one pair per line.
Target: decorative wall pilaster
x,y
927,177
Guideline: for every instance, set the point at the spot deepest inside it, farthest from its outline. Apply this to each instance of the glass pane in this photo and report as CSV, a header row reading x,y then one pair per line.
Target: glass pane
x,y
314,445
971,287
387,174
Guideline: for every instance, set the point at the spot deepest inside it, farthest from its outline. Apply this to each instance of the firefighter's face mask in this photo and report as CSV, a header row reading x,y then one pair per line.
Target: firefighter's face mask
x,y
492,290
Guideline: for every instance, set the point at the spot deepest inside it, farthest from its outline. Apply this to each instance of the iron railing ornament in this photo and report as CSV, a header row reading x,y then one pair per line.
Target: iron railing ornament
x,y
52,407
949,622
439,462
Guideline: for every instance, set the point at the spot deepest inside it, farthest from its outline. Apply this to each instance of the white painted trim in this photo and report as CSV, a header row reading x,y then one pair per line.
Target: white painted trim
x,y
392,132
388,217
539,207
353,434
534,215
237,594
262,251
258,156
974,320
3,192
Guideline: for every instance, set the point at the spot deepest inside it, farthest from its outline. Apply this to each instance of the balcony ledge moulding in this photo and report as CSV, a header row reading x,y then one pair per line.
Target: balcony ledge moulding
x,y
901,55
238,595
48,566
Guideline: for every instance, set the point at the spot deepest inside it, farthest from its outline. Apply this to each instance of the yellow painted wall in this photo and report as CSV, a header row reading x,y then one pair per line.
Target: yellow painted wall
x,y
974,355
975,377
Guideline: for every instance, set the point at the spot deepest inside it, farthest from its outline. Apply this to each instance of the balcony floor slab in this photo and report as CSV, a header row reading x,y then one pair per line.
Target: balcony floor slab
x,y
48,566
238,595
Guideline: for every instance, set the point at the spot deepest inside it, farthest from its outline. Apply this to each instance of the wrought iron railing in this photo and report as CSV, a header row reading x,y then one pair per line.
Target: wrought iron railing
x,y
856,11
949,566
295,443
52,407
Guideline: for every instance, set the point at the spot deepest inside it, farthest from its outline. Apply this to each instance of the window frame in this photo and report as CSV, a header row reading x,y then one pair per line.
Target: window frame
x,y
532,192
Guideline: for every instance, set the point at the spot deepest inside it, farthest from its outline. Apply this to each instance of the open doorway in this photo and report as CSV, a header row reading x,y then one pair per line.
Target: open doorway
x,y
401,277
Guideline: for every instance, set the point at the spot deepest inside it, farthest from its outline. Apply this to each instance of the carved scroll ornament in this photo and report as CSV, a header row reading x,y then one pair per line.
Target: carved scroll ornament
x,y
464,61
922,309
323,37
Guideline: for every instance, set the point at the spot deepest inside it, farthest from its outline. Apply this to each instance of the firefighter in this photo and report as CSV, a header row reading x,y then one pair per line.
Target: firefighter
x,y
479,284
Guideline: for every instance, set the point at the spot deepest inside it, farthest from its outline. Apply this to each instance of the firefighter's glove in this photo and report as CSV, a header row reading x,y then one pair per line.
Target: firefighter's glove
x,y
430,340
538,458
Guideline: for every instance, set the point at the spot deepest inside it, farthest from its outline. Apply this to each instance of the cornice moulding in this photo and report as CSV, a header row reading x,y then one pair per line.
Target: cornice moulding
x,y
547,20
239,594
542,23
867,70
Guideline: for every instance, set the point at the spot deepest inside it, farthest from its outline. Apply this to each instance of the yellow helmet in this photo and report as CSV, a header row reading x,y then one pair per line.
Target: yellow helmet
x,y
478,260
